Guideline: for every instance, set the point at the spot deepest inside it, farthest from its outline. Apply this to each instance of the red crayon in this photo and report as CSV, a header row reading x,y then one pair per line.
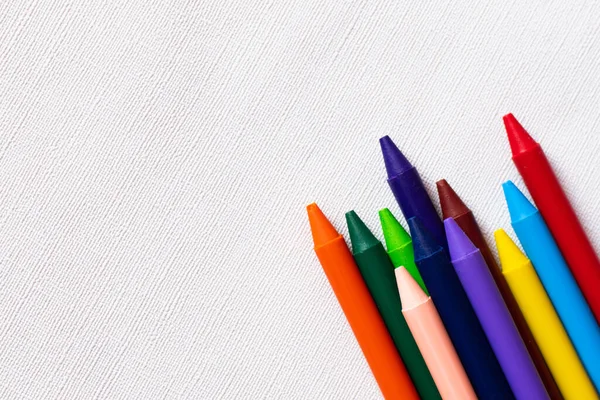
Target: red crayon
x,y
554,206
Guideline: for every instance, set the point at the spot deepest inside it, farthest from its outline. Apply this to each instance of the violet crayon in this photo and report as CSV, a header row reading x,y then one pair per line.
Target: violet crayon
x,y
495,319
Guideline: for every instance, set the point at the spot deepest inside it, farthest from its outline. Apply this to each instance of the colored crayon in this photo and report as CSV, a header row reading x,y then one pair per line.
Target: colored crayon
x,y
359,308
453,207
493,315
554,273
433,341
458,316
409,191
556,210
399,246
549,332
378,273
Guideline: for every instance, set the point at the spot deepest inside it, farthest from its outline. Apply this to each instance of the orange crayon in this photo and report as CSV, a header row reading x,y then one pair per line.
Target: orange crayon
x,y
433,341
359,308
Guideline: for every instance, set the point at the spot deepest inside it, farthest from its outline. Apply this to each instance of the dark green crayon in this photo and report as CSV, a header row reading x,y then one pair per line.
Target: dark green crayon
x,y
378,272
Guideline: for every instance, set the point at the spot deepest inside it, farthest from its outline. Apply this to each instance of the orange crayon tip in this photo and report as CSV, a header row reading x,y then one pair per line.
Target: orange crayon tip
x,y
322,230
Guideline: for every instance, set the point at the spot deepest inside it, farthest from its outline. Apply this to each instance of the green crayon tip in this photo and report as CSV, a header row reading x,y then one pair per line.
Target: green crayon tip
x,y
361,237
395,235
399,245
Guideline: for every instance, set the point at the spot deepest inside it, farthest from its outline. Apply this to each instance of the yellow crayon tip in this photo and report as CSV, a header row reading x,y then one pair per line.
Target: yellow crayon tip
x,y
510,254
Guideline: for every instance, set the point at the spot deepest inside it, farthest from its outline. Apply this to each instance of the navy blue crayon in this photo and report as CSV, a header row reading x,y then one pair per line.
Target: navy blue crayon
x,y
458,316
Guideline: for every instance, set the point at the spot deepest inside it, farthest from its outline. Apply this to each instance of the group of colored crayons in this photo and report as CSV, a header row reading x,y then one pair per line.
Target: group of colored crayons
x,y
436,317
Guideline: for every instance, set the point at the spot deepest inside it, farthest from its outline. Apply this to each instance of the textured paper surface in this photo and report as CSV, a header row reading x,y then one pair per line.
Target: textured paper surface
x,y
156,158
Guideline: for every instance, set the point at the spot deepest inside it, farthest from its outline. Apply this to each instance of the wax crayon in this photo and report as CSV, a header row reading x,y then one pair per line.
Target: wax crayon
x,y
378,273
554,273
453,207
556,210
493,315
549,332
458,316
399,245
359,308
409,191
432,339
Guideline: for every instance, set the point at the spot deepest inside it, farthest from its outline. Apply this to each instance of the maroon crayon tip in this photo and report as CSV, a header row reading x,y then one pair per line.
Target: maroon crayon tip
x,y
452,205
520,141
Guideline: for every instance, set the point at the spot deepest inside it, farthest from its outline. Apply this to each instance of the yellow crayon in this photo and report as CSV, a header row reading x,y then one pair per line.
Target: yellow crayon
x,y
543,321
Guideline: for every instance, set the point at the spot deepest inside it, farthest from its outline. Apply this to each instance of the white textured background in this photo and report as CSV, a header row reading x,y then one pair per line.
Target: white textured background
x,y
156,158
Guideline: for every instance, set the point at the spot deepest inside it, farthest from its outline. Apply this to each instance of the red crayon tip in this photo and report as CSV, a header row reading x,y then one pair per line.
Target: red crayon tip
x,y
452,205
322,230
520,141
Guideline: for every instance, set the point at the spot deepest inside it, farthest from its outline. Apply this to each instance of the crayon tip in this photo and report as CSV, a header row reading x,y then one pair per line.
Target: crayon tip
x,y
322,230
518,206
360,236
395,162
394,234
452,205
459,244
508,251
424,244
411,294
520,141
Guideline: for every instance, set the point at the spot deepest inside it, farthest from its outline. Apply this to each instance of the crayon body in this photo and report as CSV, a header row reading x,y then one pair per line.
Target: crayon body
x,y
554,273
555,208
432,339
549,332
493,315
409,191
359,308
453,207
458,316
378,274
399,246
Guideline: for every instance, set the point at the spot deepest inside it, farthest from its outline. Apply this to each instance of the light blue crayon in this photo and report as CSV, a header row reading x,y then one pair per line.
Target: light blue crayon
x,y
556,277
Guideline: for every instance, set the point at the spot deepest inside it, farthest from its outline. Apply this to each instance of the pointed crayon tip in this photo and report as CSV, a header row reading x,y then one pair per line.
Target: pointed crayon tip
x,y
395,162
424,244
452,205
360,236
519,207
508,251
411,294
322,230
459,244
394,234
520,141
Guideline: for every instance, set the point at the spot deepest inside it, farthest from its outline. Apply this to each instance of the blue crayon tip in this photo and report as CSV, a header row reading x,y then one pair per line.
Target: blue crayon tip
x,y
519,207
459,244
424,244
395,162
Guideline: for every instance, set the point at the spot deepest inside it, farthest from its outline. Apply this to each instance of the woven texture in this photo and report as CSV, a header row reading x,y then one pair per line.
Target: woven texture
x,y
156,158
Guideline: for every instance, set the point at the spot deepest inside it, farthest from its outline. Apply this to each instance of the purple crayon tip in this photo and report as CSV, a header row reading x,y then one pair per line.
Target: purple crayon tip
x,y
395,162
459,243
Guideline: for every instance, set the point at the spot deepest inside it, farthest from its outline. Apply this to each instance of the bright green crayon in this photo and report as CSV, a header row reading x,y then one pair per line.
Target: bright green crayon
x,y
399,245
378,273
